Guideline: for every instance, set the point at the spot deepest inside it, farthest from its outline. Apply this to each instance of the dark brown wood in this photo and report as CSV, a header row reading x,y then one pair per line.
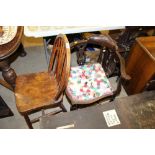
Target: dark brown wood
x,y
27,119
38,91
140,65
22,50
110,59
8,73
5,84
7,50
80,46
109,53
137,111
5,111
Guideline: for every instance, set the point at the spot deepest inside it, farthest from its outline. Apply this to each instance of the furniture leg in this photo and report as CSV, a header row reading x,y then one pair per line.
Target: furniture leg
x,y
8,73
73,107
63,107
28,121
22,50
5,111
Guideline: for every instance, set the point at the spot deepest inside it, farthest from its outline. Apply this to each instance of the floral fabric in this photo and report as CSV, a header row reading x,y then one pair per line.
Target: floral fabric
x,y
88,82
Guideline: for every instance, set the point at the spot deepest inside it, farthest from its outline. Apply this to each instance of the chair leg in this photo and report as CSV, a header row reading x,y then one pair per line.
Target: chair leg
x,y
28,121
63,107
73,107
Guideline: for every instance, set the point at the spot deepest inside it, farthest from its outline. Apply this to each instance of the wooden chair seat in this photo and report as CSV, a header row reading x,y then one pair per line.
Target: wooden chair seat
x,y
35,90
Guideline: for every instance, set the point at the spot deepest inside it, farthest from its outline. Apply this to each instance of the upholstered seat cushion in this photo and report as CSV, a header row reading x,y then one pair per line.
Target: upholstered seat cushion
x,y
87,83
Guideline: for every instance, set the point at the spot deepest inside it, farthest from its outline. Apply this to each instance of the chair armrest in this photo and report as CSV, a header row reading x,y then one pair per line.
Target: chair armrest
x,y
102,40
106,41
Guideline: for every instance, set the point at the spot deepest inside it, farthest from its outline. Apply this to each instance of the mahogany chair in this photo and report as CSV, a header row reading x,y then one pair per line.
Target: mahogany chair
x,y
38,91
89,83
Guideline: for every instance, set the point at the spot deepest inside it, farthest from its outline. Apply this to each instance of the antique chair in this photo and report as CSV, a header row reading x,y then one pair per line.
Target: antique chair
x,y
89,83
38,91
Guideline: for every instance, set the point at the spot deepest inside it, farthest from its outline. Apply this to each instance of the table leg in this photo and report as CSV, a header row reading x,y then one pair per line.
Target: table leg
x,y
8,73
22,50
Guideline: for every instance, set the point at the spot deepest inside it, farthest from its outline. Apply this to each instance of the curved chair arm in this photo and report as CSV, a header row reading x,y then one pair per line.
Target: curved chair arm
x,y
124,75
102,40
75,43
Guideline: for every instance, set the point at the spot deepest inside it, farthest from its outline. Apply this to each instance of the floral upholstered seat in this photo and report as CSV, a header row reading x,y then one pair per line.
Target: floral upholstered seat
x,y
88,83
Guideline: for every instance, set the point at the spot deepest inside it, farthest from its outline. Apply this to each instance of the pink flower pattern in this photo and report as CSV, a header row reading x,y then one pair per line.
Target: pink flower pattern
x,y
88,82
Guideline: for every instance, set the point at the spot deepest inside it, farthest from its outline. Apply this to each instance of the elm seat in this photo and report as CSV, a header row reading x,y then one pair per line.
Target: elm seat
x,y
88,83
40,90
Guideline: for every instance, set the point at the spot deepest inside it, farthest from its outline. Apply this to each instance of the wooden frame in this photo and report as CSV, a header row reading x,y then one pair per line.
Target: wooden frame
x,y
111,60
42,90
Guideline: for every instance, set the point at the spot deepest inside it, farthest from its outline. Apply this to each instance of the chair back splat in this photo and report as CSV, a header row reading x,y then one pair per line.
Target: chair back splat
x,y
60,62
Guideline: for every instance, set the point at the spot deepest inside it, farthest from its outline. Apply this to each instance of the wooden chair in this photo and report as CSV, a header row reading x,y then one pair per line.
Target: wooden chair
x,y
89,83
37,91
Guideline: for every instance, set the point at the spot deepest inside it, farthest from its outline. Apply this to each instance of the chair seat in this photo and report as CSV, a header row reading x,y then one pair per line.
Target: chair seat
x,y
87,84
34,91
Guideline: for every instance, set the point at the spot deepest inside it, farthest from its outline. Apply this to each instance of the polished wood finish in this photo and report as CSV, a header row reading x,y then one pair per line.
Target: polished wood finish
x,y
60,62
37,91
110,59
7,50
8,74
134,112
140,64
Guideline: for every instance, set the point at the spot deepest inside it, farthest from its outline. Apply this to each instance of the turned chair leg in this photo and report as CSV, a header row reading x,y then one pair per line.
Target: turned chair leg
x,y
27,119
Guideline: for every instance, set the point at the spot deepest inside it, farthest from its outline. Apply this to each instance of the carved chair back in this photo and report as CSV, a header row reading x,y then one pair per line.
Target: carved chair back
x,y
59,64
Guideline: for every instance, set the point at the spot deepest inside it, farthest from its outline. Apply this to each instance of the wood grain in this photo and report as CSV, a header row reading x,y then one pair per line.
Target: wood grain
x,y
36,91
140,64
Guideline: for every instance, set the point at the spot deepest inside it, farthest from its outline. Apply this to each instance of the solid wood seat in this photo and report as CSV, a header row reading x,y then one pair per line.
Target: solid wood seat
x,y
38,91
41,89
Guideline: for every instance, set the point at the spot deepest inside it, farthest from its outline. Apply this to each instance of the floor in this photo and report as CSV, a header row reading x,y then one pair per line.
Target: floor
x,y
35,61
